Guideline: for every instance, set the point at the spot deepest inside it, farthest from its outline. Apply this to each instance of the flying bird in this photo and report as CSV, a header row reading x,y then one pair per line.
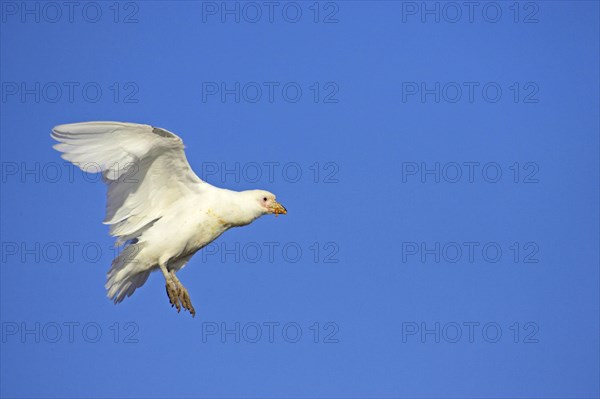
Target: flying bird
x,y
157,207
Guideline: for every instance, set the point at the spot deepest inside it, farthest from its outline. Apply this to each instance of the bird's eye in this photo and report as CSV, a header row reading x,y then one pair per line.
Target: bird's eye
x,y
265,199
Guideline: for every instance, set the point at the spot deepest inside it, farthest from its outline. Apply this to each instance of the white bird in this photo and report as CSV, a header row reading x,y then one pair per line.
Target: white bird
x,y
156,205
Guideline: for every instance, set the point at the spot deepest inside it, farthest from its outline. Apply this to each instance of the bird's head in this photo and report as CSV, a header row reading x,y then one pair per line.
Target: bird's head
x,y
267,202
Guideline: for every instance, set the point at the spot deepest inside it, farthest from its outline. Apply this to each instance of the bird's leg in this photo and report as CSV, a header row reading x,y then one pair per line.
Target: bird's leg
x,y
183,295
171,286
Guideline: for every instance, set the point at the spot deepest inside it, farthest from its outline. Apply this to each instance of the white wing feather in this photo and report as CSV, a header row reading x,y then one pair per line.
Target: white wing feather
x,y
144,167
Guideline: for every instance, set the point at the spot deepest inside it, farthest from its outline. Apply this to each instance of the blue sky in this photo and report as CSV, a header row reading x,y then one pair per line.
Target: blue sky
x,y
439,165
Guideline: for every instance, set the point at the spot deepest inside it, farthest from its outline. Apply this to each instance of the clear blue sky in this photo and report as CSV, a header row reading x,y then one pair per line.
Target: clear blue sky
x,y
439,165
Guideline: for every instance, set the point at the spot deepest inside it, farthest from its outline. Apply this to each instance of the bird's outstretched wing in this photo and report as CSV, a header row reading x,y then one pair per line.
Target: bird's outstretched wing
x,y
144,167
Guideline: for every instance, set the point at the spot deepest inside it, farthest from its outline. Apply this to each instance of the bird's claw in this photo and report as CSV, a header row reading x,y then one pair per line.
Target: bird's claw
x,y
173,295
186,302
179,297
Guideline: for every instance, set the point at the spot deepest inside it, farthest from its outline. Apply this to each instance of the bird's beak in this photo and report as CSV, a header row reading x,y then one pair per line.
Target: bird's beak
x,y
277,208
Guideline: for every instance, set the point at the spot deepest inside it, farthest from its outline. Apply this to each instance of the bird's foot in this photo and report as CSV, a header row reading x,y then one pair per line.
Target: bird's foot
x,y
172,292
184,297
179,296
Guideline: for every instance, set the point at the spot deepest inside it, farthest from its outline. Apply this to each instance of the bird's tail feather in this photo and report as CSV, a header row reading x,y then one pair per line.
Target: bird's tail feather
x,y
126,274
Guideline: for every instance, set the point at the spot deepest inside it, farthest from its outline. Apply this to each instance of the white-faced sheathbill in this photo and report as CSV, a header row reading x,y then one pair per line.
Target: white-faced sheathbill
x,y
156,205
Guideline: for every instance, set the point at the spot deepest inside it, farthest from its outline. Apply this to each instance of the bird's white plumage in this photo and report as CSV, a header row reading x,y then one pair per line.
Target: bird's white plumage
x,y
155,204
